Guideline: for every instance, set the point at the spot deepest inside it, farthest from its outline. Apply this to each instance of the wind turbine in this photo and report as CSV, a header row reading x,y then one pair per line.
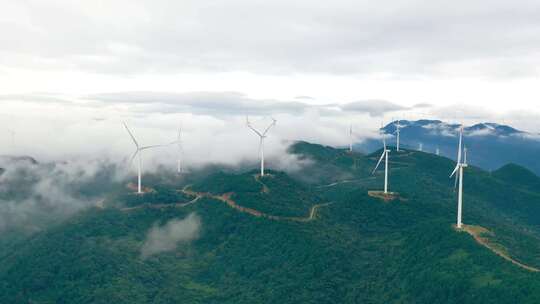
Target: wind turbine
x,y
458,172
138,153
262,136
350,139
178,142
438,151
385,156
398,131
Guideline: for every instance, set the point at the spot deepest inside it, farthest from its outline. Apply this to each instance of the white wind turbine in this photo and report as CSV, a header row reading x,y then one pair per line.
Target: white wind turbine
x,y
138,152
262,136
180,145
458,171
398,131
385,156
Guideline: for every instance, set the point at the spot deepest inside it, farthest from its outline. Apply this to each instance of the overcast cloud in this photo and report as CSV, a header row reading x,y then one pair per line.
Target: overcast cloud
x,y
397,37
72,71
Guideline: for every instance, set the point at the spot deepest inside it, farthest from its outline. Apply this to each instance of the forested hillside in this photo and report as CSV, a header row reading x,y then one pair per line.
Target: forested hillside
x,y
312,235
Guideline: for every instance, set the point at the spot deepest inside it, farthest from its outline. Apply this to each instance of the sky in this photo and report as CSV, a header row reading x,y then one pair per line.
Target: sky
x,y
72,71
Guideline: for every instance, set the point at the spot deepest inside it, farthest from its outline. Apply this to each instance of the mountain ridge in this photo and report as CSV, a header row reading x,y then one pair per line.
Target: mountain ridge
x,y
490,145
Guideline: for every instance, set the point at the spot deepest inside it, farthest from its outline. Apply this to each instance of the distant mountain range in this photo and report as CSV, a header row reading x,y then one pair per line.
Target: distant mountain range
x,y
13,158
490,145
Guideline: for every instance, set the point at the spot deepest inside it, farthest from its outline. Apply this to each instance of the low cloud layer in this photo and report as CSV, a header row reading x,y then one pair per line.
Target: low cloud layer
x,y
213,124
168,236
376,108
207,103
35,195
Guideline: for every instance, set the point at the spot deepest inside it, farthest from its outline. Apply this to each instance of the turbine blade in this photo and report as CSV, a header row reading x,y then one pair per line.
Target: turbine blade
x,y
455,170
179,133
133,157
248,124
459,146
131,134
178,141
270,126
379,162
150,147
456,181
257,132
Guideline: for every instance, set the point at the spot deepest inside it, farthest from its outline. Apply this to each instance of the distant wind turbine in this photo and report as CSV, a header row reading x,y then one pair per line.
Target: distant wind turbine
x,y
138,153
438,151
398,131
350,139
458,172
385,156
180,145
262,136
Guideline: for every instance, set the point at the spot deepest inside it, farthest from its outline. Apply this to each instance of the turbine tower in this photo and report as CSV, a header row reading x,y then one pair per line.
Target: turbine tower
x,y
385,156
138,153
262,136
438,151
458,172
398,131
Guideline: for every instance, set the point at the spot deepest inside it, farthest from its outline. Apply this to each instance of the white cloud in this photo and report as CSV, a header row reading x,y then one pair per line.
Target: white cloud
x,y
481,132
35,195
441,129
168,236
372,107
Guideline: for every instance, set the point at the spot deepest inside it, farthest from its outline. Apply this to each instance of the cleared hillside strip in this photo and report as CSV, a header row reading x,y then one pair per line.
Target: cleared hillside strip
x,y
478,233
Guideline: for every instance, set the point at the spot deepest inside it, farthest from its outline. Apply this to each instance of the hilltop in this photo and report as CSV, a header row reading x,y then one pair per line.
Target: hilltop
x,y
306,236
